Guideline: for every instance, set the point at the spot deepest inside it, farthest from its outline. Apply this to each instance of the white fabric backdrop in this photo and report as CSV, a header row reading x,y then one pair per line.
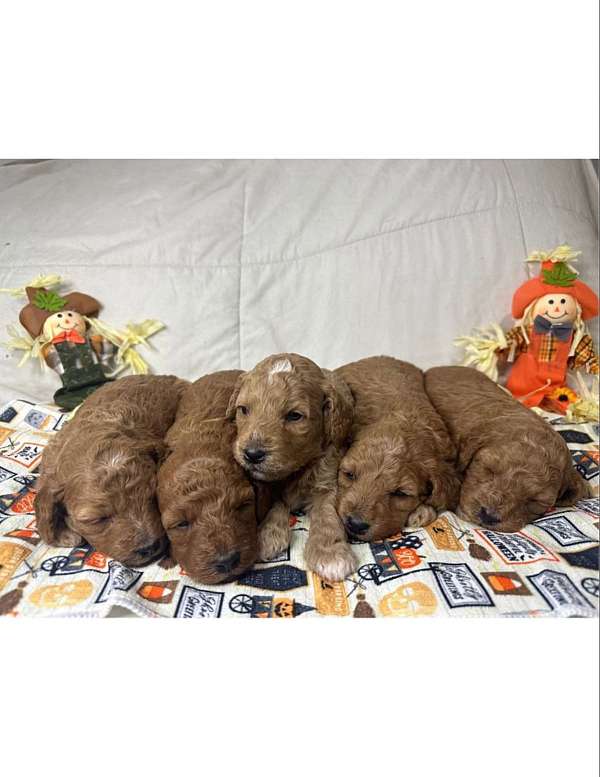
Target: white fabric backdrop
x,y
333,259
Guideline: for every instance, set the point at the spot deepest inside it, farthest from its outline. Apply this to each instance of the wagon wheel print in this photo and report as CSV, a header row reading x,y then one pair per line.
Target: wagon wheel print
x,y
369,572
52,565
242,603
591,585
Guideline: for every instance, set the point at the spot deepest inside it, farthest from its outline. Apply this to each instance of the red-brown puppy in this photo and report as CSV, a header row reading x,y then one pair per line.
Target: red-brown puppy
x,y
399,469
98,479
515,466
209,506
292,419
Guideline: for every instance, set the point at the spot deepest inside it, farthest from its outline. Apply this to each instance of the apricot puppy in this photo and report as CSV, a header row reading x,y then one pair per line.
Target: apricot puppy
x,y
98,474
515,467
399,469
209,506
292,421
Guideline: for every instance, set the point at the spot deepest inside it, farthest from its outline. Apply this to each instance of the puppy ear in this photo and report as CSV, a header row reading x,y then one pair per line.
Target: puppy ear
x,y
263,497
338,409
573,488
154,447
421,516
51,516
443,485
232,405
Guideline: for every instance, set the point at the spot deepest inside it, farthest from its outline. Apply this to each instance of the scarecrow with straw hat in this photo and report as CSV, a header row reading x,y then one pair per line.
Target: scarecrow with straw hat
x,y
549,337
63,332
79,359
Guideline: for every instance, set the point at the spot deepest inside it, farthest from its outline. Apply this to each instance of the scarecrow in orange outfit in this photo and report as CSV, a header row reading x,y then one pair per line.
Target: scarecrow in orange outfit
x,y
549,336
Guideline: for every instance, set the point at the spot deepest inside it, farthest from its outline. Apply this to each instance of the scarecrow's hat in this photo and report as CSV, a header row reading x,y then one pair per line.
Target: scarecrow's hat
x,y
44,303
556,277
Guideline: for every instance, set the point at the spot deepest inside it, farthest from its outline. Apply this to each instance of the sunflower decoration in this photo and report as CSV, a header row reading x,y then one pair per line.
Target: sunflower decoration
x,y
560,398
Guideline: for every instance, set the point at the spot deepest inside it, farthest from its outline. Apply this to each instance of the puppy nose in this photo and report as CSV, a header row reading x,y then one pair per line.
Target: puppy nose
x,y
487,517
356,525
227,563
150,550
254,455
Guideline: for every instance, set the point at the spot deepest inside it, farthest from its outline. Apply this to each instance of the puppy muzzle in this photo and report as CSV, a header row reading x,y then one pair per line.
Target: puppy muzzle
x,y
147,554
488,517
355,525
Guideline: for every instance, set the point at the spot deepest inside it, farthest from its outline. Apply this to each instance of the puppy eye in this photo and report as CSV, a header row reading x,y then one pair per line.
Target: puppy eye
x,y
245,505
183,524
348,474
294,415
398,492
243,409
102,520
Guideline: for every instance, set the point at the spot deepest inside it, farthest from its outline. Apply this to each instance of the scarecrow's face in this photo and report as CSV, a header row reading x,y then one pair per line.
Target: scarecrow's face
x,y
65,321
557,308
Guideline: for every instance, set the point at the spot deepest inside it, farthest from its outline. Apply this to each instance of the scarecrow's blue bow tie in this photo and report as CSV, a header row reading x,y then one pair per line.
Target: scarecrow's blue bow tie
x,y
542,326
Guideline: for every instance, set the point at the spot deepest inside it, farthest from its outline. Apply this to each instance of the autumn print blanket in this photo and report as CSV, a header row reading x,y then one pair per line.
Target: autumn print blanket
x,y
448,569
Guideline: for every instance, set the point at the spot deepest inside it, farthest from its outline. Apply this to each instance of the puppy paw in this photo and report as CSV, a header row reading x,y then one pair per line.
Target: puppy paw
x,y
273,539
421,516
332,562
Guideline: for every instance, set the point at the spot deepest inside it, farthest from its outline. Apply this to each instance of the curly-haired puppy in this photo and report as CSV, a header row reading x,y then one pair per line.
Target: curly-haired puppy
x,y
209,506
292,420
399,469
98,480
515,466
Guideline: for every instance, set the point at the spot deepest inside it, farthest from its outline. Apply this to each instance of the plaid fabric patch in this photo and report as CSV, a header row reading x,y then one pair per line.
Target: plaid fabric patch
x,y
585,355
515,337
547,350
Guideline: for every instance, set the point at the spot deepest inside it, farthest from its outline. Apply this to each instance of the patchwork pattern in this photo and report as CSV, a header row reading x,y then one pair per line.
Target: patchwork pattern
x,y
450,568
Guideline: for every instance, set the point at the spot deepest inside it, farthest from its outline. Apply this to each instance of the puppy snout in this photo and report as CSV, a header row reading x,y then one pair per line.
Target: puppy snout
x,y
356,525
487,517
254,454
149,552
227,563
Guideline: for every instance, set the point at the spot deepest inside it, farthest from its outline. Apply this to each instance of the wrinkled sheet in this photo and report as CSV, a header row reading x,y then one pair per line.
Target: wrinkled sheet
x,y
334,259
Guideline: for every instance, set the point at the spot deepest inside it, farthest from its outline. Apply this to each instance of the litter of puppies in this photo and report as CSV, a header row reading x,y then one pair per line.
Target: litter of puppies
x,y
208,479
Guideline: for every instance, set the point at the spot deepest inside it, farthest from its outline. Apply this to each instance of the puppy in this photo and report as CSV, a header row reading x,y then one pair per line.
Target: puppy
x,y
292,420
515,467
209,506
399,469
98,474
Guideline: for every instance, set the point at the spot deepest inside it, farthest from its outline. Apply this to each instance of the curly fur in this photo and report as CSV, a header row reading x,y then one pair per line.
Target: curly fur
x,y
209,506
515,467
98,478
399,444
301,454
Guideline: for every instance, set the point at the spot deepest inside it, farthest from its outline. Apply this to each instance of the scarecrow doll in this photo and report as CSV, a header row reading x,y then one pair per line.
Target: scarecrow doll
x,y
82,360
549,336
64,333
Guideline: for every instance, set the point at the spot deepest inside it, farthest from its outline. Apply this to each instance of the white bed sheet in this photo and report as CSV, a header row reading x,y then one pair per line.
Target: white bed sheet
x,y
333,259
